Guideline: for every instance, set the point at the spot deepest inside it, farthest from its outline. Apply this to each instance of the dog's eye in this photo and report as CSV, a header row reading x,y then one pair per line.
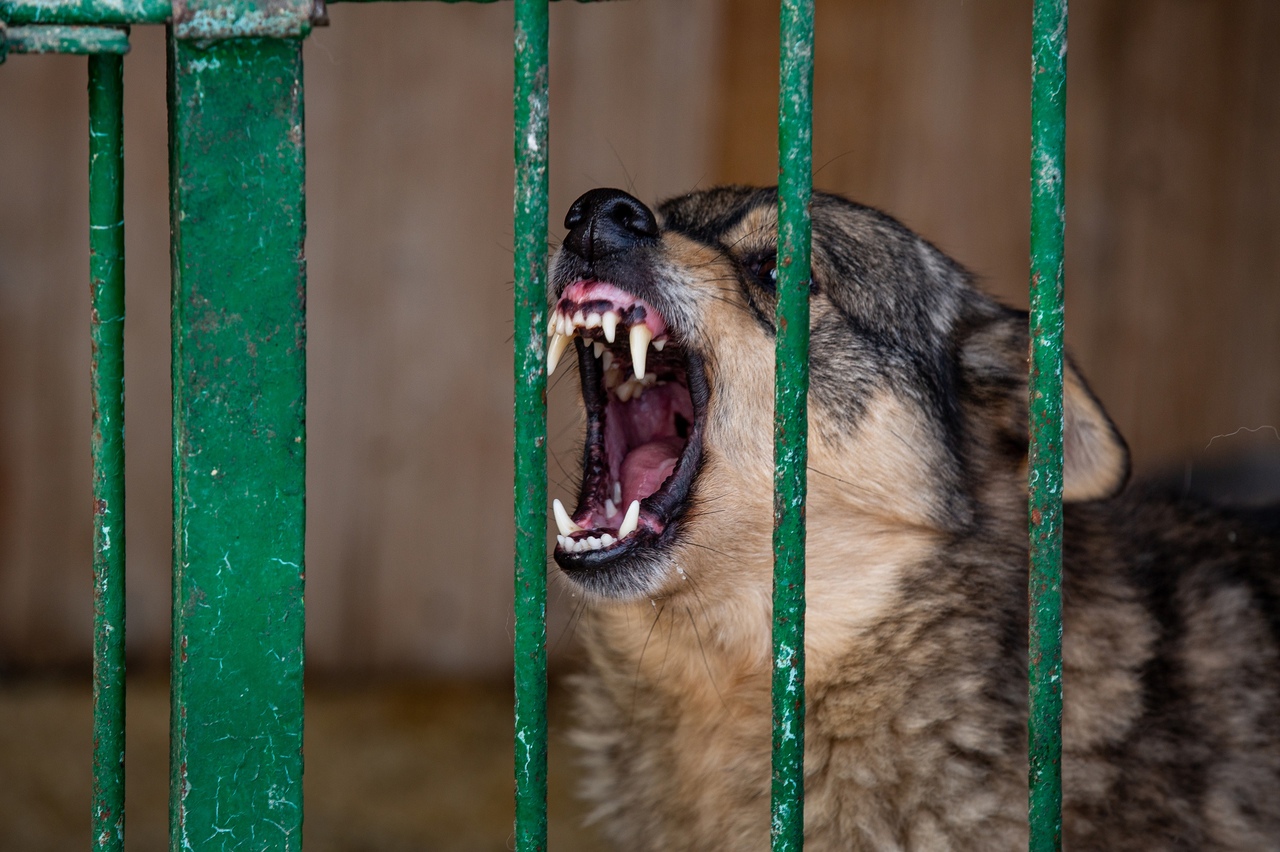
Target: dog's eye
x,y
766,271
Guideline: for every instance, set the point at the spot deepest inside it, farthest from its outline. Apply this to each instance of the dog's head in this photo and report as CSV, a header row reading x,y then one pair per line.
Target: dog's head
x,y
917,393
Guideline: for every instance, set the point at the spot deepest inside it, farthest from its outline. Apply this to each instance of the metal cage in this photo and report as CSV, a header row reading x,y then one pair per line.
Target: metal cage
x,y
239,362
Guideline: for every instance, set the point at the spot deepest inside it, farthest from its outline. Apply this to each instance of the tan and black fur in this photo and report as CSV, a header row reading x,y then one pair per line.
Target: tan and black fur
x,y
917,574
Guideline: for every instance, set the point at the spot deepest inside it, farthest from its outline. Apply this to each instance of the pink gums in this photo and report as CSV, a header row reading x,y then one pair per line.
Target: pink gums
x,y
581,293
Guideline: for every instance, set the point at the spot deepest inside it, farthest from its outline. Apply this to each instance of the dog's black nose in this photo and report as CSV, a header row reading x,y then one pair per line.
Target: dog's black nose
x,y
606,221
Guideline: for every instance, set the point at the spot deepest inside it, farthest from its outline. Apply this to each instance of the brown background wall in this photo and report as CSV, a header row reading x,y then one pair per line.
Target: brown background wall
x,y
921,108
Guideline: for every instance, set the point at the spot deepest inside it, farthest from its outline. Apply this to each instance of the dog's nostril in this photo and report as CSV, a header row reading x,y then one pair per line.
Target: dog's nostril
x,y
606,221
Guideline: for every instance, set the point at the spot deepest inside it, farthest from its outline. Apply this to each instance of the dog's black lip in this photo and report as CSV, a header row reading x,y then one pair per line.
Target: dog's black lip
x,y
669,503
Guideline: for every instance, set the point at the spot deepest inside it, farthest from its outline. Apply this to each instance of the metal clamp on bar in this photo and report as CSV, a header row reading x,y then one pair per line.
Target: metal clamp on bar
x,y
219,20
60,39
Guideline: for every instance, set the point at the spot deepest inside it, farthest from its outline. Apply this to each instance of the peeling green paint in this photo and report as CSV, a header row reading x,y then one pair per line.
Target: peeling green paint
x,y
239,395
216,20
1048,159
106,332
59,39
85,11
790,420
531,123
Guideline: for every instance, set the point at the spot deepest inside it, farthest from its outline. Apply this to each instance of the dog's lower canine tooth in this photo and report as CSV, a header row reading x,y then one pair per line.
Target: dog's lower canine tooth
x,y
609,322
563,521
640,337
631,521
559,342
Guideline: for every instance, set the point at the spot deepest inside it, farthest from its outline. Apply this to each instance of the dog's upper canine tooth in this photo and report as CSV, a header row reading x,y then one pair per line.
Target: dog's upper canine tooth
x,y
559,343
640,337
563,521
631,521
609,322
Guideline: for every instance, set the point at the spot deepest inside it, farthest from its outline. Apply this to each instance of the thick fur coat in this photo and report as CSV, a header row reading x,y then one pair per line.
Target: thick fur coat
x,y
916,687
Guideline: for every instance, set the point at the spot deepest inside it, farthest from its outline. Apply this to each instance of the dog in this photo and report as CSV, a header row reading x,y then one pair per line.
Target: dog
x,y
917,556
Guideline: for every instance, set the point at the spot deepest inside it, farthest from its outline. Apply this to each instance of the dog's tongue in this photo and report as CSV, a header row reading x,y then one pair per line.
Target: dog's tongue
x,y
646,467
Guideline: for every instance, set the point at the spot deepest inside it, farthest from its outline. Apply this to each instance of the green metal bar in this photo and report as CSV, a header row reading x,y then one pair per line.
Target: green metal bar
x,y
56,39
86,11
106,323
239,394
1048,162
531,89
790,420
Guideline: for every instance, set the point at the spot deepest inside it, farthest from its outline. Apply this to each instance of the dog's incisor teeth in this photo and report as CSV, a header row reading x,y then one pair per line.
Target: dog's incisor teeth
x,y
640,337
563,521
593,320
559,342
597,348
609,322
631,521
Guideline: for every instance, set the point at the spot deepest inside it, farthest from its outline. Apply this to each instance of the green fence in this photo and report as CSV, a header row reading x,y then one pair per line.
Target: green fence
x,y
239,398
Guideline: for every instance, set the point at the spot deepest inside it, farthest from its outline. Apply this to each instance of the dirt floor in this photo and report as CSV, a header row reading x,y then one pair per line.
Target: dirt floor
x,y
389,768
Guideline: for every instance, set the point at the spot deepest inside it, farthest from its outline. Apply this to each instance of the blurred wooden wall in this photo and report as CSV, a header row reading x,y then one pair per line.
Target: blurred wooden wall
x,y
1173,178
1173,269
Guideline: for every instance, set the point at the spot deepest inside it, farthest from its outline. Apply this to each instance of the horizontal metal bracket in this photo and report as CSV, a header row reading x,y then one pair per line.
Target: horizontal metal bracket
x,y
218,20
193,20
85,41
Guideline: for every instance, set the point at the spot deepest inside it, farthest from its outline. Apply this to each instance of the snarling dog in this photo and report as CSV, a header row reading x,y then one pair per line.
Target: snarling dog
x,y
917,559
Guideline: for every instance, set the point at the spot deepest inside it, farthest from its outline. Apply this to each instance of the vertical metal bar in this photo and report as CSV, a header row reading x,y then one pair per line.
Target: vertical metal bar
x,y
795,186
1048,161
106,282
531,87
239,395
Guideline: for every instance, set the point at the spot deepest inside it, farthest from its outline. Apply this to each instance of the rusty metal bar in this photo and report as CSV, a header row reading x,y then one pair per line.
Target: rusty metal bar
x,y
790,420
239,396
106,323
1048,220
531,122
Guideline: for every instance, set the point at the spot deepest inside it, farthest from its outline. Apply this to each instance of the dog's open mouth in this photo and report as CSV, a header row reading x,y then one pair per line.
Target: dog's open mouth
x,y
645,396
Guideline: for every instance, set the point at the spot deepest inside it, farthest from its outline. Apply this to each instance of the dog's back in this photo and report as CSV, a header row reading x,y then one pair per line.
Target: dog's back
x,y
1172,684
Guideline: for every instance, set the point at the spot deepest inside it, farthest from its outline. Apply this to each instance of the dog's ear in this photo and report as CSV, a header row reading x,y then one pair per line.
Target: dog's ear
x,y
1095,458
994,359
